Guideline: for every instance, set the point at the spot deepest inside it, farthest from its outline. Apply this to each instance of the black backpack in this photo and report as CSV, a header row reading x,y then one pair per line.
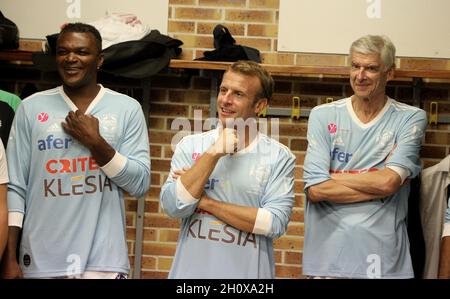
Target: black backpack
x,y
9,34
227,50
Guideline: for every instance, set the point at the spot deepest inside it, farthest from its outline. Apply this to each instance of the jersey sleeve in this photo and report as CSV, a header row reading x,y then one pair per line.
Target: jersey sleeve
x,y
406,154
172,204
317,161
134,177
278,196
18,153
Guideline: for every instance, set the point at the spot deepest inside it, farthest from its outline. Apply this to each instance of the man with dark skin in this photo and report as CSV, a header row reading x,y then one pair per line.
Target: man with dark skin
x,y
92,144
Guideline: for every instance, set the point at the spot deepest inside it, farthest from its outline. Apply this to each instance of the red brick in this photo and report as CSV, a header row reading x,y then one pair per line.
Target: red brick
x,y
271,4
297,215
250,16
168,235
278,58
434,152
154,275
293,130
169,81
149,234
437,138
295,230
289,243
222,3
202,83
283,271
131,233
298,173
298,187
299,144
179,26
277,256
152,248
169,110
164,137
151,207
130,217
156,123
189,96
160,165
283,87
300,158
318,89
155,179
158,95
155,151
197,13
430,162
262,30
168,152
148,262
131,205
262,44
321,60
294,258
160,221
182,2
208,28
164,263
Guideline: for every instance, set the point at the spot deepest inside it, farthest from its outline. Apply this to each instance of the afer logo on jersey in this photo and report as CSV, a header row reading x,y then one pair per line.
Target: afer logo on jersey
x,y
336,154
50,142
211,183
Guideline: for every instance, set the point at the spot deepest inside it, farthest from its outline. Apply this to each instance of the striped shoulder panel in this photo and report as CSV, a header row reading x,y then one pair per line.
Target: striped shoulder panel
x,y
336,104
403,107
277,144
47,92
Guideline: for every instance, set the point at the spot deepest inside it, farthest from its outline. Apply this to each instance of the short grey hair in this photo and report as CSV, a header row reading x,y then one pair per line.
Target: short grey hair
x,y
375,44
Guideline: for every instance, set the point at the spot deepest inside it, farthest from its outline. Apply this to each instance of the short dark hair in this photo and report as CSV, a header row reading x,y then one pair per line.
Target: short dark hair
x,y
83,28
251,68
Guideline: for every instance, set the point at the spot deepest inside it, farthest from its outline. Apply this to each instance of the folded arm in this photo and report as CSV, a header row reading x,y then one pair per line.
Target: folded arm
x,y
240,217
381,182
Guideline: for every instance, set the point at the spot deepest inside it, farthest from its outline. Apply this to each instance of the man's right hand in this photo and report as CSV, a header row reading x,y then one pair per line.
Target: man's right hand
x,y
227,143
10,270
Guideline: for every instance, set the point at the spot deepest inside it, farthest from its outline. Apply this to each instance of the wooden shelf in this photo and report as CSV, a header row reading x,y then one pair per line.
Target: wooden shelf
x,y
275,70
292,71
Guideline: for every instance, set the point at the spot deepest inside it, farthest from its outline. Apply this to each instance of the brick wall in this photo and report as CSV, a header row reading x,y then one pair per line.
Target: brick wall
x,y
179,93
254,23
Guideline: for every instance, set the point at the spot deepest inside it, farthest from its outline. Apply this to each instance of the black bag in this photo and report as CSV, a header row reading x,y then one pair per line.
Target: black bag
x,y
227,50
141,58
135,59
9,34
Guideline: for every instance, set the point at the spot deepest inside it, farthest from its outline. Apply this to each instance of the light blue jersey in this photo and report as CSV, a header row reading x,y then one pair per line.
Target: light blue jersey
x,y
367,239
74,214
259,176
